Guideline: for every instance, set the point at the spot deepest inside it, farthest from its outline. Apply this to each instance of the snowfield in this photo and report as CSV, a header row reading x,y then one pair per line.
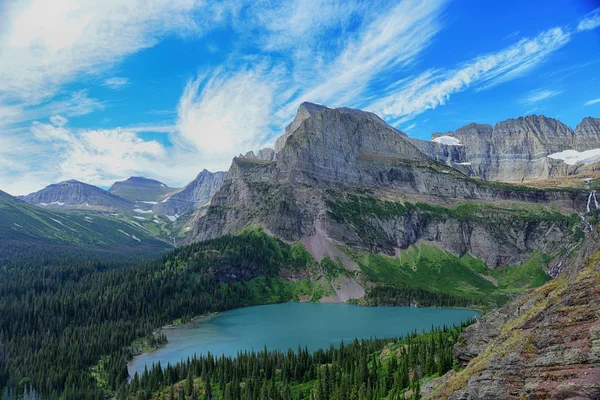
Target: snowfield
x,y
447,140
572,157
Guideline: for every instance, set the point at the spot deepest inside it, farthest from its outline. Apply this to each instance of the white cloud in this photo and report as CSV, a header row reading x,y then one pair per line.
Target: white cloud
x,y
96,156
223,116
116,82
535,96
388,42
46,44
78,103
591,102
591,21
434,87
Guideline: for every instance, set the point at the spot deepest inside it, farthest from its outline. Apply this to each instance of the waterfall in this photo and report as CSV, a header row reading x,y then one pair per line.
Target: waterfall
x,y
591,196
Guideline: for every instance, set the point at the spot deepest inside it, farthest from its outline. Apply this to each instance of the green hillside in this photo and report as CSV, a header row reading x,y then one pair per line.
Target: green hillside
x,y
24,223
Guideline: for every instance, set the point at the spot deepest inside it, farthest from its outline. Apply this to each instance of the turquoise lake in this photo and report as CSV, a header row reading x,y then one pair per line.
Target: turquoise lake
x,y
283,326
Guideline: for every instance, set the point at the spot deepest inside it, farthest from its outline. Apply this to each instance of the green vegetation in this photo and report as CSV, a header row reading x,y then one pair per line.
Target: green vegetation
x,y
368,369
57,321
358,209
26,226
466,279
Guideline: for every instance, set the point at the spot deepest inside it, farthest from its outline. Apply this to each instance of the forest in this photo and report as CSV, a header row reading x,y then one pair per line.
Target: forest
x,y
366,369
67,327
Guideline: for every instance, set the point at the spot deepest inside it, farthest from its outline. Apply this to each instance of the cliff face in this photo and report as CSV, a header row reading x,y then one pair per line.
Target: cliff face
x,y
194,195
337,152
515,150
545,345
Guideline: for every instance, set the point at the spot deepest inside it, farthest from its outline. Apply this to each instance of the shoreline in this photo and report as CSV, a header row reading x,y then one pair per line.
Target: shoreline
x,y
210,315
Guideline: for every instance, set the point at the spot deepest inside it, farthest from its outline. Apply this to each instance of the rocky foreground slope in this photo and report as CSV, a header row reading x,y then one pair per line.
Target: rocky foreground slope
x,y
544,345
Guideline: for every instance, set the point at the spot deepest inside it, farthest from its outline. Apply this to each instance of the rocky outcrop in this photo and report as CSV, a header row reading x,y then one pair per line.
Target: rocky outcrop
x,y
193,196
265,154
545,345
73,194
587,134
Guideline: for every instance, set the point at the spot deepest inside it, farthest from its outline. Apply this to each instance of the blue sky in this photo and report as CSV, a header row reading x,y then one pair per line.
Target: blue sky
x,y
100,91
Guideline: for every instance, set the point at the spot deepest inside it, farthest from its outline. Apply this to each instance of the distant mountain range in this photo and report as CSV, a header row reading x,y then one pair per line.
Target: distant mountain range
x,y
24,223
327,150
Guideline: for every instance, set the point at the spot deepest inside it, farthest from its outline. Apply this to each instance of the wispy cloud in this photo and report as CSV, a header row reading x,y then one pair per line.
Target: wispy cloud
x,y
116,82
591,21
591,102
47,44
535,96
219,117
434,87
76,104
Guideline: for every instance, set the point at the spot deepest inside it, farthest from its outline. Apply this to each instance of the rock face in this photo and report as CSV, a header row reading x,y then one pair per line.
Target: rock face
x,y
515,150
73,194
545,345
587,134
304,111
138,188
336,152
194,195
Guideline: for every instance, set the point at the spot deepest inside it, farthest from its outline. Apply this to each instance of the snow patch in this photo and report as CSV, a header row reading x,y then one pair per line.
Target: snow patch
x,y
572,157
149,202
43,204
57,221
58,203
135,238
138,217
167,199
173,218
87,205
156,221
17,225
447,140
122,231
463,163
139,210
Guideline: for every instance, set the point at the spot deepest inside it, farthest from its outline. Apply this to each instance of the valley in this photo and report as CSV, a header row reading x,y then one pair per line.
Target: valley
x,y
345,209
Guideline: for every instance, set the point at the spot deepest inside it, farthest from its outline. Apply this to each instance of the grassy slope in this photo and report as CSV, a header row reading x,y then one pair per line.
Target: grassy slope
x,y
21,221
428,267
143,192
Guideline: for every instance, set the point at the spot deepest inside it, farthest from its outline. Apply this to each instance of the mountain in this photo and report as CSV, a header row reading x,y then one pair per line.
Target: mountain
x,y
524,149
193,196
347,186
137,188
25,224
73,194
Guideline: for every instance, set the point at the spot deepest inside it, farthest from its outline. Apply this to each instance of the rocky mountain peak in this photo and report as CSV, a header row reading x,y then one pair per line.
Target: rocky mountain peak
x,y
75,194
193,196
305,110
538,125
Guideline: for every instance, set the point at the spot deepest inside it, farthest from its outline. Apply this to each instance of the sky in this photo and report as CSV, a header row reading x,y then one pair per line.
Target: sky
x,y
100,91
